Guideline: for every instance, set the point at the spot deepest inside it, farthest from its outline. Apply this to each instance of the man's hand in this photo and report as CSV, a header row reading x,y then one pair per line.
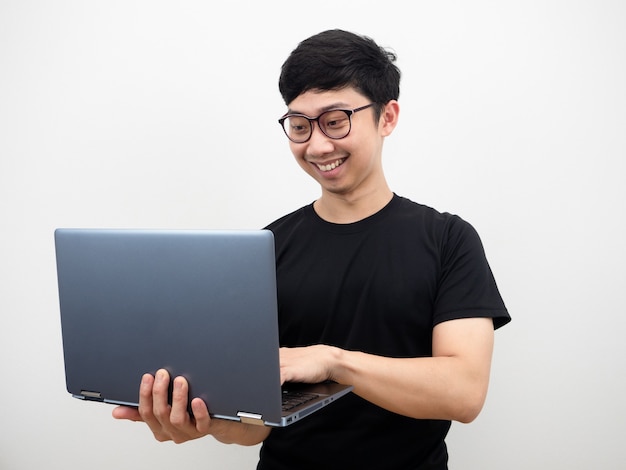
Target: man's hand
x,y
311,364
174,423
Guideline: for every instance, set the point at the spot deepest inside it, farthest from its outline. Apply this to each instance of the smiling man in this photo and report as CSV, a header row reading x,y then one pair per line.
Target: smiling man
x,y
374,290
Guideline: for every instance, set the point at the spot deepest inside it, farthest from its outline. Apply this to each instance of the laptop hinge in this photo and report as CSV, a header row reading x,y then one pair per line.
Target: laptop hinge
x,y
90,395
250,418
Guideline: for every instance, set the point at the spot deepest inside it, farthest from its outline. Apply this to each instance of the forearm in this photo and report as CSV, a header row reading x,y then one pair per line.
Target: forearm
x,y
232,432
450,385
423,388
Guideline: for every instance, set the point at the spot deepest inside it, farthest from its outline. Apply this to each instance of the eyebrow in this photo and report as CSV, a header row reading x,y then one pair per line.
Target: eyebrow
x,y
339,105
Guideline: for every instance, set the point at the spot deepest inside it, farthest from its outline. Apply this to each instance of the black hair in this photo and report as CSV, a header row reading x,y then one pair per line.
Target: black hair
x,y
336,59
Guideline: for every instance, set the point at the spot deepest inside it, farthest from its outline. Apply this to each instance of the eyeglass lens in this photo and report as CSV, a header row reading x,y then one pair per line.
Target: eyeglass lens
x,y
335,124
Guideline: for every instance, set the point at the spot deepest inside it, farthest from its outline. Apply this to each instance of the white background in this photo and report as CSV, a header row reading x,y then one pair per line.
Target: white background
x,y
163,114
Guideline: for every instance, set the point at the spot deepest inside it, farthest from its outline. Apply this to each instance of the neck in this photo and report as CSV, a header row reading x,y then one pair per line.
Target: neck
x,y
342,209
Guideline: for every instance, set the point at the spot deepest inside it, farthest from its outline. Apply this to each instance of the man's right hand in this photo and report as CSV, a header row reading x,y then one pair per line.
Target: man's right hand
x,y
174,423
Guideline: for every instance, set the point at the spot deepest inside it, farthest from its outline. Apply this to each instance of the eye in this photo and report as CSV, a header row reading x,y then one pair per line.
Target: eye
x,y
335,120
297,125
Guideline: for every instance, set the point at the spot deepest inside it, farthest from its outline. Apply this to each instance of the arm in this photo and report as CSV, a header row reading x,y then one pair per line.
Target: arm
x,y
450,385
173,423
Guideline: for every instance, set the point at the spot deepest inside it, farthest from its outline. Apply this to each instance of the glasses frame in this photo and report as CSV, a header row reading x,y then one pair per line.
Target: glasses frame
x,y
349,113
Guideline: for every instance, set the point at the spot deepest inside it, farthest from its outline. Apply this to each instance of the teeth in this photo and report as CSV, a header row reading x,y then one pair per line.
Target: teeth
x,y
330,166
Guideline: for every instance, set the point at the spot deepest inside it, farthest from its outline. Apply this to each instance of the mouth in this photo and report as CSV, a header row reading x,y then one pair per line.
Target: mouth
x,y
330,166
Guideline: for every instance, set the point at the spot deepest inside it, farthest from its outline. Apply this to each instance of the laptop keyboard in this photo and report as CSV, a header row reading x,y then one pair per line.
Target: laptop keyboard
x,y
293,399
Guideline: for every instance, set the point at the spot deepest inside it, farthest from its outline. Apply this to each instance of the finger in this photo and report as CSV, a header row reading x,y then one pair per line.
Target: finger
x,y
179,416
145,398
201,415
126,412
160,391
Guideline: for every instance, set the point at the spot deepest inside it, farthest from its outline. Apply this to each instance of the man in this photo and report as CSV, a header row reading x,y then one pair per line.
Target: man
x,y
374,290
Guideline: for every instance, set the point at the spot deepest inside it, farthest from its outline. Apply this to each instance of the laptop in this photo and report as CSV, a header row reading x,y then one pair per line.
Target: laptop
x,y
199,303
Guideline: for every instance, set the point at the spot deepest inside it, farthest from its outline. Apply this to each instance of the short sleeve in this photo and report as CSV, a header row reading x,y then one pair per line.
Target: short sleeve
x,y
466,286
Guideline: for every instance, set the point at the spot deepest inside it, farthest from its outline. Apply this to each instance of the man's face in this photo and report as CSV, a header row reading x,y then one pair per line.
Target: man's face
x,y
346,166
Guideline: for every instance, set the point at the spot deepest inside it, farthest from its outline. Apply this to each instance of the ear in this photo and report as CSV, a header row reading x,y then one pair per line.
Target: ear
x,y
389,118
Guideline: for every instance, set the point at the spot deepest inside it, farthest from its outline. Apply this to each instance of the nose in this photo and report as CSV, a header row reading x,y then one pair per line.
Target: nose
x,y
319,143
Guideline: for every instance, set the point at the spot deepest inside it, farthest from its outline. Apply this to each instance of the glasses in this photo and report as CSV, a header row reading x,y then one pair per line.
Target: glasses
x,y
335,124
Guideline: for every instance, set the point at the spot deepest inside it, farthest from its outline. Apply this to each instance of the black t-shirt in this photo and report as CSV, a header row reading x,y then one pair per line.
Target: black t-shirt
x,y
379,286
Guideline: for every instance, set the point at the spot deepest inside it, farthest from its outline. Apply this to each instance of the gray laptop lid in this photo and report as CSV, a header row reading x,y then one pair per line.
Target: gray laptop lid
x,y
201,304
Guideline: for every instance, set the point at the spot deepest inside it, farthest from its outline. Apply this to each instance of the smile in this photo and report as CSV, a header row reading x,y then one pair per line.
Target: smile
x,y
330,166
